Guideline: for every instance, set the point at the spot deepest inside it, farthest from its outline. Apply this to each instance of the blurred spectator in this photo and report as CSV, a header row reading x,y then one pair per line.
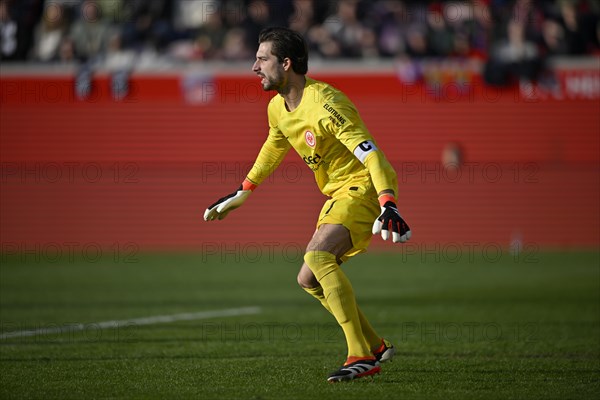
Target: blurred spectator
x,y
452,155
257,18
234,45
472,36
597,49
18,19
8,32
322,43
353,37
393,18
513,36
210,38
149,23
416,41
188,14
90,34
553,38
234,13
440,38
575,28
514,58
50,34
303,17
112,10
118,57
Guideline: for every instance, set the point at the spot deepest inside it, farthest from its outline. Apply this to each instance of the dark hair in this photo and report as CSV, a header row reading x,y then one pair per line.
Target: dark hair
x,y
287,44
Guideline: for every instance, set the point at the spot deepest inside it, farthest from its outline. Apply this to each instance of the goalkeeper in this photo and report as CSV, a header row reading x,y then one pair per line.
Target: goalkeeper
x,y
324,128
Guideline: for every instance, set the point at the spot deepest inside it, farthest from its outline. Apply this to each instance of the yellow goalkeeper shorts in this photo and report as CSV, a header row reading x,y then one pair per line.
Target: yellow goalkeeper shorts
x,y
356,209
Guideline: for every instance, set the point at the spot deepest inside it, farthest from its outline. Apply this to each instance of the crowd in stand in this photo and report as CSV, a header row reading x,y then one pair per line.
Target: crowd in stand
x,y
498,31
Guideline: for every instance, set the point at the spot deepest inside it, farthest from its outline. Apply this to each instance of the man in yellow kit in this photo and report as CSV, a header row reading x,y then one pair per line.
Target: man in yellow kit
x,y
324,127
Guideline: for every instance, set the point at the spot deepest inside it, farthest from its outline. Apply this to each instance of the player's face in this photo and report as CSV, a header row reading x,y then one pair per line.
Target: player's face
x,y
268,68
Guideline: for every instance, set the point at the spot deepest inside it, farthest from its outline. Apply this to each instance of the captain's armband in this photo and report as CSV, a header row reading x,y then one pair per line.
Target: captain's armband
x,y
362,150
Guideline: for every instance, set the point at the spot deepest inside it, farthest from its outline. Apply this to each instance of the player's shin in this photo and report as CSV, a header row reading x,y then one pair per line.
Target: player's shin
x,y
373,340
339,296
317,293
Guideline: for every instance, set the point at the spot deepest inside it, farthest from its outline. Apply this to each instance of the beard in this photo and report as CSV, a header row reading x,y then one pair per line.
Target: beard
x,y
273,83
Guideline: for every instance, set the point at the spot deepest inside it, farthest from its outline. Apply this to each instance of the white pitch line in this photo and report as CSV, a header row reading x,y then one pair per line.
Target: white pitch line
x,y
159,319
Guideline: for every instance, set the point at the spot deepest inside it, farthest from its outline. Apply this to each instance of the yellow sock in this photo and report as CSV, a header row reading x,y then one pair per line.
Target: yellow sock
x,y
373,340
317,293
339,297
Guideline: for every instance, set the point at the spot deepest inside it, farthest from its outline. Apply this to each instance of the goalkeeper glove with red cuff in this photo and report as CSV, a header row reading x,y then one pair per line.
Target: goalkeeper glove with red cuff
x,y
220,208
390,218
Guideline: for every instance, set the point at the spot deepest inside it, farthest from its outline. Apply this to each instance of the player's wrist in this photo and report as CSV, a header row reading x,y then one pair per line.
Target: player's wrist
x,y
247,185
385,197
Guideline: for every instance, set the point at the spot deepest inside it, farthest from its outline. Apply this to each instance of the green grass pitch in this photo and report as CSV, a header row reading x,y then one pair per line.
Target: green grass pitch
x,y
515,328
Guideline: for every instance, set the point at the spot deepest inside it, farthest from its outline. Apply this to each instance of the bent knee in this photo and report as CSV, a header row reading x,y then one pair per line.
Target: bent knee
x,y
306,279
305,284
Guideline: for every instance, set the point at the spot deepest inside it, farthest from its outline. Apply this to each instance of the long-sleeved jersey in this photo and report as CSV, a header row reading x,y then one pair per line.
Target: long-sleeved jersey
x,y
329,135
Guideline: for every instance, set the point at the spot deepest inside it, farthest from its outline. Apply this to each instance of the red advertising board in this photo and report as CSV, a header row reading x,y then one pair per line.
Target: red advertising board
x,y
140,171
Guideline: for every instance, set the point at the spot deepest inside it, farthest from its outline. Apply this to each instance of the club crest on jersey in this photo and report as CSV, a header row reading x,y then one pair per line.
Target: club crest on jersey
x,y
310,139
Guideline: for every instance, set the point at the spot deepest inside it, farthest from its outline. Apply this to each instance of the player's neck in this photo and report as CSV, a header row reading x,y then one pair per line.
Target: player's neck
x,y
293,91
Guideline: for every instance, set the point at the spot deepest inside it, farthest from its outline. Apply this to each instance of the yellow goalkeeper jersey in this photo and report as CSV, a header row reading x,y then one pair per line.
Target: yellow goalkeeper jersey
x,y
329,135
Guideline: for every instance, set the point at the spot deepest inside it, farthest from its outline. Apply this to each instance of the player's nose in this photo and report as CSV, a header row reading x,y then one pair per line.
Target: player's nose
x,y
255,67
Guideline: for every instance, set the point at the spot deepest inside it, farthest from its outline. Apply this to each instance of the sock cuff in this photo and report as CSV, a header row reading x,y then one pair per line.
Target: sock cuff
x,y
321,263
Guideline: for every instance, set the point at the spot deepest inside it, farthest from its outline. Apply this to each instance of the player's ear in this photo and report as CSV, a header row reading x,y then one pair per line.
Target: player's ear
x,y
287,64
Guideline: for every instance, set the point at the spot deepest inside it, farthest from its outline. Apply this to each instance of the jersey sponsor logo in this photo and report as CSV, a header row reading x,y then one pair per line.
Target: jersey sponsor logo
x,y
312,160
339,119
310,139
362,150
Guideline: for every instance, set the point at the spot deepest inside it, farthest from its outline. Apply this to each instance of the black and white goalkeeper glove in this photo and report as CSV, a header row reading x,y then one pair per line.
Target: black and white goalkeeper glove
x,y
220,208
390,219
